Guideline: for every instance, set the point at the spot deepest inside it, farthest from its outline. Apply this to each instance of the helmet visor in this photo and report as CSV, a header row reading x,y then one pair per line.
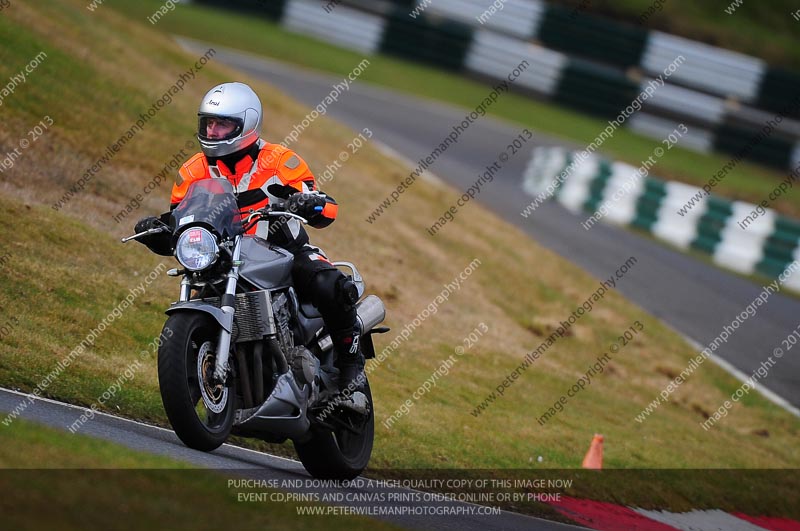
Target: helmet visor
x,y
218,128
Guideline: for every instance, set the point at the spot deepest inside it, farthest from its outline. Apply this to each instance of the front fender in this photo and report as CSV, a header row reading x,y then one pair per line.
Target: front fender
x,y
225,320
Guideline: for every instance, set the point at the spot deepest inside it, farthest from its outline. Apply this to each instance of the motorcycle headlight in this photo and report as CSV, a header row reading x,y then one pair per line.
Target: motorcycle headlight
x,y
196,249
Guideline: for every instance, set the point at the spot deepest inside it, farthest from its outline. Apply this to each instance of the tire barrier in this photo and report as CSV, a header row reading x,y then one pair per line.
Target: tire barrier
x,y
586,62
740,236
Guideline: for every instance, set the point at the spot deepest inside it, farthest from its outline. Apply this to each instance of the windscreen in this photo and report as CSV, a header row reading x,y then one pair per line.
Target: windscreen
x,y
209,202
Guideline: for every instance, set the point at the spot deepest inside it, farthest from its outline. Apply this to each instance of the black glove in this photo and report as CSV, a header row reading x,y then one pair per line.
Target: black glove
x,y
146,224
158,243
307,205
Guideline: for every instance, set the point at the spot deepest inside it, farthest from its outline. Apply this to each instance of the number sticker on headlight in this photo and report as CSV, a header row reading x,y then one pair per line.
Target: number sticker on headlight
x,y
197,249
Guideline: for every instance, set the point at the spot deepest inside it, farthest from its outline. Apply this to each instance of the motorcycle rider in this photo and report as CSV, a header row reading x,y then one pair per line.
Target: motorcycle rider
x,y
229,130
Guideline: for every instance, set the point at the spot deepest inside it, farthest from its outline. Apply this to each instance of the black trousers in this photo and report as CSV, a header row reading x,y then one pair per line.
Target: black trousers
x,y
317,280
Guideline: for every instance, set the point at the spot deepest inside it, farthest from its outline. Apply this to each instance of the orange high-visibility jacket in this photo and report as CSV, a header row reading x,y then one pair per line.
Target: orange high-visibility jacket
x,y
275,164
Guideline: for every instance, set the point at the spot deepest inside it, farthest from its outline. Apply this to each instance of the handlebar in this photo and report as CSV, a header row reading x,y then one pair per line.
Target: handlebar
x,y
157,230
272,210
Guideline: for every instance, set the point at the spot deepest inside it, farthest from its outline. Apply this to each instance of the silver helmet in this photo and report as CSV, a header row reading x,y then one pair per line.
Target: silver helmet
x,y
229,119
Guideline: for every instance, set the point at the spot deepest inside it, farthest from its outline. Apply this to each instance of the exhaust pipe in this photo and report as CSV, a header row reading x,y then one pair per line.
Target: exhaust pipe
x,y
371,312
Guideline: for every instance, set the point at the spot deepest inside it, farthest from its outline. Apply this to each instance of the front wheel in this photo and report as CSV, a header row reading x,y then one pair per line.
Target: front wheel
x,y
344,452
200,411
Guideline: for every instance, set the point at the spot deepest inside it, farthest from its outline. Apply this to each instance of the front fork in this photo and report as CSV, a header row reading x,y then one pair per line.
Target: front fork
x,y
227,307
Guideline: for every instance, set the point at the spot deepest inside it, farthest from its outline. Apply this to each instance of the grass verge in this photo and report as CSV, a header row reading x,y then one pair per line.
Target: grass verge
x,y
85,483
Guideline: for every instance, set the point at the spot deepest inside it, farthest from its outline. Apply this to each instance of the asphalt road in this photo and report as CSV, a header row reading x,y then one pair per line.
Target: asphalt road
x,y
234,462
695,298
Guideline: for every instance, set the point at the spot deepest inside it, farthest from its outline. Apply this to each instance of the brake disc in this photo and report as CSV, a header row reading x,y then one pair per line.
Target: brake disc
x,y
215,396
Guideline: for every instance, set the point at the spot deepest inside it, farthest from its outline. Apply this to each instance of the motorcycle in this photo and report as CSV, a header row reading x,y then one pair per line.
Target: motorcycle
x,y
244,356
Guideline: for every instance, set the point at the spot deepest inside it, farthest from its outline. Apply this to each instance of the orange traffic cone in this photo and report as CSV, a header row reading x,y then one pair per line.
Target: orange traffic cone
x,y
594,457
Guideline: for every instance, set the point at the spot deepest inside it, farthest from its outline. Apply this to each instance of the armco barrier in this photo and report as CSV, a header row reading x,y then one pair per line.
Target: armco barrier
x,y
578,34
770,150
440,42
767,245
517,18
710,69
608,63
344,26
495,55
698,91
271,8
598,90
777,86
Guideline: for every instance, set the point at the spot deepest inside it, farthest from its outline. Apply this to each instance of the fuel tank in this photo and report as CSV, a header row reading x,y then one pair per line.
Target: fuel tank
x,y
263,265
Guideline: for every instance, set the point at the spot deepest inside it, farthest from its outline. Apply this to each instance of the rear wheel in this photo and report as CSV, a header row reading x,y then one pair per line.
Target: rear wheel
x,y
199,410
342,452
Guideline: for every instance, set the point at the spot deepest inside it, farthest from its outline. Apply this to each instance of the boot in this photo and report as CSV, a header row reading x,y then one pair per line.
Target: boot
x,y
349,361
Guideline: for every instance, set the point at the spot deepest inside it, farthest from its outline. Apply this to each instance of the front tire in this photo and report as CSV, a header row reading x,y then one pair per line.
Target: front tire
x,y
200,412
339,454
